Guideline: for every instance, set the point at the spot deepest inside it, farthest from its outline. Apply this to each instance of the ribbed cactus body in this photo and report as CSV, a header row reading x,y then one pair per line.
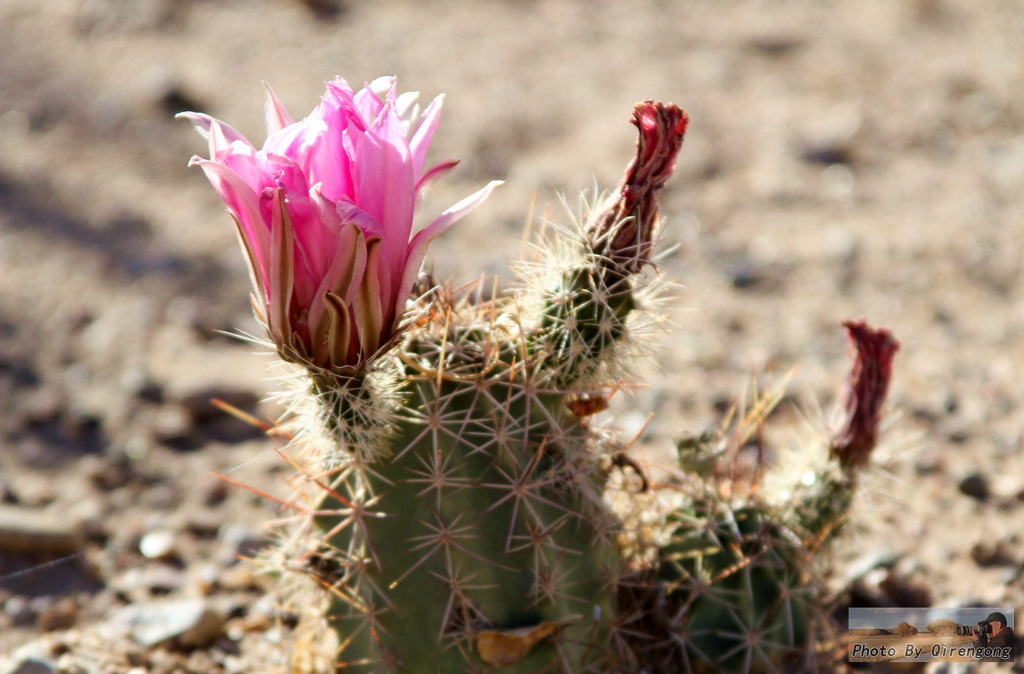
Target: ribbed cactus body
x,y
737,581
483,513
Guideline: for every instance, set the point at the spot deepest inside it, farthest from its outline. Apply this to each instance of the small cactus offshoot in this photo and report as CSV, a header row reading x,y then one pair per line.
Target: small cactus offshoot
x,y
466,513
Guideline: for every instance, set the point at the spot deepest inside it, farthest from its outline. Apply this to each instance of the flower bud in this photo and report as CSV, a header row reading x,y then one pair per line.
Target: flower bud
x,y
864,393
623,233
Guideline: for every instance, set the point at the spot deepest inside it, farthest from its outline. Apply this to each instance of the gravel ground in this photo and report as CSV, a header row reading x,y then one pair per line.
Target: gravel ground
x,y
843,160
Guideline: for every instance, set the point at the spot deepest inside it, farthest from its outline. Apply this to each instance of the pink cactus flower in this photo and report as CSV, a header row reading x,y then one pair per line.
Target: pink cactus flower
x,y
325,216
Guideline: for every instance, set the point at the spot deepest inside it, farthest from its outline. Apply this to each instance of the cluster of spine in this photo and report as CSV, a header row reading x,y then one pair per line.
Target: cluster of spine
x,y
464,522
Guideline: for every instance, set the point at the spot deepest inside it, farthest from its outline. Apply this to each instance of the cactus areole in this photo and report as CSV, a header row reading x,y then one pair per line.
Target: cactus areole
x,y
463,518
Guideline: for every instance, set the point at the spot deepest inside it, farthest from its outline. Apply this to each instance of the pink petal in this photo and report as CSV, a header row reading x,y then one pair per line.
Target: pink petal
x,y
226,134
340,101
385,189
457,212
339,332
368,315
436,171
368,99
243,204
342,279
418,246
277,116
420,140
251,261
329,163
282,277
407,105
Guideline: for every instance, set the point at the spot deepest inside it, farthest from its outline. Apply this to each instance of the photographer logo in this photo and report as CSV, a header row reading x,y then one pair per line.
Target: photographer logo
x,y
931,634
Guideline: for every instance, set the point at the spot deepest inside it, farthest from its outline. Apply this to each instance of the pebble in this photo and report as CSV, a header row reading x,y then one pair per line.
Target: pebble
x,y
31,658
1000,553
887,588
29,666
20,611
240,542
109,471
173,427
158,544
61,615
239,577
830,139
186,623
7,495
776,43
149,580
33,531
975,485
68,664
204,525
216,494
217,424
884,557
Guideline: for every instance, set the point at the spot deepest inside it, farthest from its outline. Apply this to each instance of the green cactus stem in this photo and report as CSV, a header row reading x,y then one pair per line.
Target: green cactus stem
x,y
468,529
736,587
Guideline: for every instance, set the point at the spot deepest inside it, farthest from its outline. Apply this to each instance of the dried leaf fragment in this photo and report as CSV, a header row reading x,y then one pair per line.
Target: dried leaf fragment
x,y
505,647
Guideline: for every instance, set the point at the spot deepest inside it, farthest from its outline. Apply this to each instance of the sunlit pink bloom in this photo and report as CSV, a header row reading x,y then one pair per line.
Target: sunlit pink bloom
x,y
325,215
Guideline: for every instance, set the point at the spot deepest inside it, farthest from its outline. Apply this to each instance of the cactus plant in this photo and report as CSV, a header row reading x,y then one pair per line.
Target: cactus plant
x,y
735,586
464,517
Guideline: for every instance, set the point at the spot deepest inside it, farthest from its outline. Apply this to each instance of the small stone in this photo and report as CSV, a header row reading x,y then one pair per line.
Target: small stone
x,y
109,471
152,580
228,646
68,664
20,610
7,494
830,139
29,666
238,577
975,485
34,531
186,624
59,616
217,424
174,427
151,392
158,544
776,43
240,542
162,496
35,657
216,493
994,554
204,525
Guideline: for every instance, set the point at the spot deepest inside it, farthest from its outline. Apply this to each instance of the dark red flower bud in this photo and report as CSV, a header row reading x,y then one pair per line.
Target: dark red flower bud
x,y
864,393
624,232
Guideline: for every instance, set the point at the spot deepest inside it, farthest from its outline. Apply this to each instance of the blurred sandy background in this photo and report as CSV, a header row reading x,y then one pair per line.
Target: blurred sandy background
x,y
844,159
